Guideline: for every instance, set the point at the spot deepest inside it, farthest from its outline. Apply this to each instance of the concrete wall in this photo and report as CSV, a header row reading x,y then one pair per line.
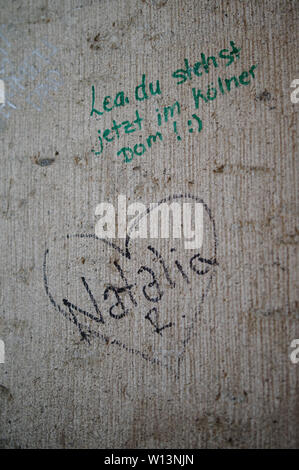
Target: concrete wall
x,y
219,374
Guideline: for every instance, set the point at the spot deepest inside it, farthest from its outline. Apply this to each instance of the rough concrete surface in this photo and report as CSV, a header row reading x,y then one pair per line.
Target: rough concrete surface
x,y
79,370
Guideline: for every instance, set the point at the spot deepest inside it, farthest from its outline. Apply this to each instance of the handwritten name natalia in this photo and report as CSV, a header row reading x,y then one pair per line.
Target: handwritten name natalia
x,y
145,90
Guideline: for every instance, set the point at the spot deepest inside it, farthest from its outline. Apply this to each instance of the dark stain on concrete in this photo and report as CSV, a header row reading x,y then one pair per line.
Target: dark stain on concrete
x,y
43,161
219,169
46,161
236,168
264,96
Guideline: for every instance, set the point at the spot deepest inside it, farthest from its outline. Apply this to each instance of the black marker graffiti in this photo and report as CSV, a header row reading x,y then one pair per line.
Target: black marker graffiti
x,y
120,300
